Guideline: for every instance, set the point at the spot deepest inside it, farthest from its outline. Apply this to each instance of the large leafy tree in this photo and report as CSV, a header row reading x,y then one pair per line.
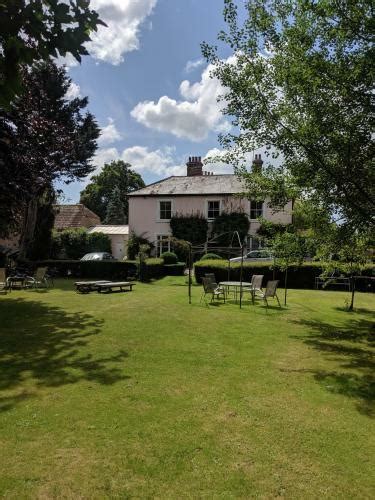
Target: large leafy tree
x,y
98,193
301,83
115,211
51,139
32,30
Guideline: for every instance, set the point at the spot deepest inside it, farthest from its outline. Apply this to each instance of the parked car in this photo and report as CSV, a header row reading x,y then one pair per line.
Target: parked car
x,y
98,256
255,255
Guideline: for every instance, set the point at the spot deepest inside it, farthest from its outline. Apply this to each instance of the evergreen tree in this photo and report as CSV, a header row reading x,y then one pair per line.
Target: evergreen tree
x,y
97,194
51,140
115,211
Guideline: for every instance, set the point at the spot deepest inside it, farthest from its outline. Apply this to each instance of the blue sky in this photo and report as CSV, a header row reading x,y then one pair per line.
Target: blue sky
x,y
149,87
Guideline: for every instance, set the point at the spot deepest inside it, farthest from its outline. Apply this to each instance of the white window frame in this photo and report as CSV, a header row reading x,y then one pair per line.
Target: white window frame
x,y
158,238
220,208
158,210
261,215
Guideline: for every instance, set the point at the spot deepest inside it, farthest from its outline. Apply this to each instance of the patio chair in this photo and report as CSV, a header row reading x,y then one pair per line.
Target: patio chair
x,y
212,288
40,278
210,276
3,280
256,285
270,292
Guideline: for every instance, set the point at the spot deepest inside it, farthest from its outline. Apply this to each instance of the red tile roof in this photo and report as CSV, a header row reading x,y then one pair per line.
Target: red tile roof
x,y
74,216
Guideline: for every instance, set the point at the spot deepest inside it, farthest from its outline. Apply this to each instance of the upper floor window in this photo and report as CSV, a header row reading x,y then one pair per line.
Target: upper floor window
x,y
165,210
256,209
213,209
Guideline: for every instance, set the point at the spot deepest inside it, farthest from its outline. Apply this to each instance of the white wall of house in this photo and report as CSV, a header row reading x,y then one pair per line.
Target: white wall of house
x,y
144,212
119,245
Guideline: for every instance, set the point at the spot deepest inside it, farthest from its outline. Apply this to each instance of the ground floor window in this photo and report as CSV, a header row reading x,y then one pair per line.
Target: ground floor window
x,y
254,243
163,243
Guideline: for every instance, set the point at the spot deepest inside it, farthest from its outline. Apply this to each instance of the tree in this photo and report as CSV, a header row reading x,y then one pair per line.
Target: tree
x,y
117,174
115,213
341,249
287,249
51,140
33,30
301,83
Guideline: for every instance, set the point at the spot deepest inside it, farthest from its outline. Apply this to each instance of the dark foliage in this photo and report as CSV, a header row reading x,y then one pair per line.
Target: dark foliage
x,y
226,224
192,228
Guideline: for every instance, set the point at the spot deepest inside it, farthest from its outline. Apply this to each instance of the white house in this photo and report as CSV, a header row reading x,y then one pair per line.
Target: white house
x,y
151,208
119,238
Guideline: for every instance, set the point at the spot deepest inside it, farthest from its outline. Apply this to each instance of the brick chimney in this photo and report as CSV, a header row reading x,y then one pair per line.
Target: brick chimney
x,y
257,164
194,166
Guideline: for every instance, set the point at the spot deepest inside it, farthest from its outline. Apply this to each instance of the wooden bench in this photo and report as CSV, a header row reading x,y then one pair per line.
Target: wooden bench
x,y
122,286
88,286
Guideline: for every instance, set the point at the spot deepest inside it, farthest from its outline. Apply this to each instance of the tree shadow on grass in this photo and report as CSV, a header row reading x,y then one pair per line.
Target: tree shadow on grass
x,y
352,347
46,344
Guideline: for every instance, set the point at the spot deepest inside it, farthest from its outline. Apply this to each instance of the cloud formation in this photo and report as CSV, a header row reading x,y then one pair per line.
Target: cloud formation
x,y
124,19
74,91
109,134
193,117
192,65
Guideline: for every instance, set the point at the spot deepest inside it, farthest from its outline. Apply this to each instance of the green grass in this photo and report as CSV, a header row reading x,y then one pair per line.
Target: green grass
x,y
139,395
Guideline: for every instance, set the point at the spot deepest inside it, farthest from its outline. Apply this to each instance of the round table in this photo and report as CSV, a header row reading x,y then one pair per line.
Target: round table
x,y
237,285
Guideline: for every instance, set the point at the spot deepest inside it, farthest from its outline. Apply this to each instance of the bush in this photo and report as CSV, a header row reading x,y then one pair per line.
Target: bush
x,y
192,228
75,243
298,276
181,248
224,226
134,244
169,258
211,256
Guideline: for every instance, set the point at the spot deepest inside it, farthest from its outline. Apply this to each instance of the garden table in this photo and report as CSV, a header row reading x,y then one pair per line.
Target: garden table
x,y
236,285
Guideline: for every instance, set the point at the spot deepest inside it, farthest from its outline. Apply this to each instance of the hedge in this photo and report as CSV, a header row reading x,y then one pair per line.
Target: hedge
x,y
298,277
111,270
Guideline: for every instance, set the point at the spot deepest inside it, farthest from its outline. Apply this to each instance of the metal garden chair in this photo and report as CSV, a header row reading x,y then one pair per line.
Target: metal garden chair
x,y
212,288
270,292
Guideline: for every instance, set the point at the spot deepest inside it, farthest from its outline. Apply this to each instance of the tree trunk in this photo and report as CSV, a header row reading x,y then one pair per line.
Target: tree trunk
x,y
352,284
28,228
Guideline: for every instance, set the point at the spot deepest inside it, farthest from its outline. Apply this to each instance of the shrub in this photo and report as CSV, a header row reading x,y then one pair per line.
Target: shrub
x,y
134,244
181,248
225,225
211,256
192,228
169,258
75,243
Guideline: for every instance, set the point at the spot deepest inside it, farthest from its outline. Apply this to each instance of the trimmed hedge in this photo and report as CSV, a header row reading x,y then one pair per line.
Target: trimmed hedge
x,y
298,277
111,270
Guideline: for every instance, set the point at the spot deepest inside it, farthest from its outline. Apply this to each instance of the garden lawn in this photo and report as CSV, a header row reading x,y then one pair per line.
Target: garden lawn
x,y
141,395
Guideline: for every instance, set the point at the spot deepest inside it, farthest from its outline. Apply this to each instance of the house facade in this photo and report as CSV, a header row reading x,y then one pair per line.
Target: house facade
x,y
151,208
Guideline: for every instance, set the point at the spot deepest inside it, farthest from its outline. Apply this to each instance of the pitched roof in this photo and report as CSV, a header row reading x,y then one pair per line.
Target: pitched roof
x,y
193,185
109,229
74,216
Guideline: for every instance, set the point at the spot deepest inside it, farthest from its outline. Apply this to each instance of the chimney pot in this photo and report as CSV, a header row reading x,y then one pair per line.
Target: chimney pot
x,y
195,166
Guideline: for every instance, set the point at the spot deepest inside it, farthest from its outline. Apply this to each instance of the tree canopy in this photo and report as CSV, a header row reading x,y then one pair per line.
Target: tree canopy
x,y
48,138
33,30
301,84
98,193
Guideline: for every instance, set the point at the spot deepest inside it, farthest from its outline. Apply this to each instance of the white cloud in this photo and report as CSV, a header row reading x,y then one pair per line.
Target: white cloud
x,y
191,118
124,19
73,91
215,165
192,65
109,134
159,162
